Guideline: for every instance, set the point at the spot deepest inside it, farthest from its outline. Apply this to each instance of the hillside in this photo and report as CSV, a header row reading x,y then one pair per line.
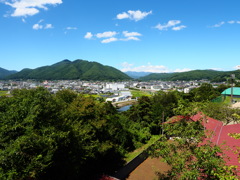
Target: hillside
x,y
214,76
67,70
4,73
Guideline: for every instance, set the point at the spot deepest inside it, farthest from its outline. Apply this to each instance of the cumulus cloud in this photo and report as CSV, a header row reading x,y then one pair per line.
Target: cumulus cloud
x,y
130,38
170,24
29,7
109,40
178,28
133,15
144,68
182,70
88,35
107,34
131,34
38,25
237,67
149,68
111,36
48,26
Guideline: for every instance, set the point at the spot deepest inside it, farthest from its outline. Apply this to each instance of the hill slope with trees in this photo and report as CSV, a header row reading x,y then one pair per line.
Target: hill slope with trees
x,y
67,70
214,76
4,73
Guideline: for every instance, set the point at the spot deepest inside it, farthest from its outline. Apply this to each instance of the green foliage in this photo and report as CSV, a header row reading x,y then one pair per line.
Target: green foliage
x,y
205,92
188,156
66,70
62,136
3,93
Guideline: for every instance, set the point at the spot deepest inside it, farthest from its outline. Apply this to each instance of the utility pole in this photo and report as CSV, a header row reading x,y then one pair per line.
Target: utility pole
x,y
232,80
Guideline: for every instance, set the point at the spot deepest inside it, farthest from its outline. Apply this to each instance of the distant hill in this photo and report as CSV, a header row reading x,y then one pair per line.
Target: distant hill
x,y
4,73
136,75
214,76
67,70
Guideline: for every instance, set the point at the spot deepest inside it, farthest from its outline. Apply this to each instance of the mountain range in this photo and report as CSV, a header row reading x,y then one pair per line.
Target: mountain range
x,y
67,70
212,75
4,73
86,70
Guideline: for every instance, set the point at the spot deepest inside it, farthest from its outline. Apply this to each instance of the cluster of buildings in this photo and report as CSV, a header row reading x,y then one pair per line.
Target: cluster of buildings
x,y
120,90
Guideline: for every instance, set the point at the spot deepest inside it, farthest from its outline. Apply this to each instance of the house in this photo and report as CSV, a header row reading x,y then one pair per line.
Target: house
x,y
221,135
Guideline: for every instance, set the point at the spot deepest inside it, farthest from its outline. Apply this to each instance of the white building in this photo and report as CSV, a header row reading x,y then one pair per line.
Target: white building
x,y
115,86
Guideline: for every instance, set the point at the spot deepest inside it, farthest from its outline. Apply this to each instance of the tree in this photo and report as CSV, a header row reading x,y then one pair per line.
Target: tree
x,y
63,136
188,155
205,92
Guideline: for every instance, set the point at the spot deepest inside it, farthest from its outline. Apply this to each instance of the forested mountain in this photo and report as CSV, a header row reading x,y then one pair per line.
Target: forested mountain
x,y
214,76
66,70
4,73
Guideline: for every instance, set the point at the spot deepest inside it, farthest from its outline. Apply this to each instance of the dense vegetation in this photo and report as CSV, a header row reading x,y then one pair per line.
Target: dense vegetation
x,y
71,136
67,70
214,76
4,73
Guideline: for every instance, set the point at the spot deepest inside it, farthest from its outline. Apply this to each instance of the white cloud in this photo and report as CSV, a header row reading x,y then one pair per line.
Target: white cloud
x,y
110,36
30,7
219,24
171,24
150,68
130,34
37,26
126,65
144,68
88,35
227,22
182,70
107,34
48,26
124,15
178,28
109,40
237,67
71,28
131,38
134,15
231,22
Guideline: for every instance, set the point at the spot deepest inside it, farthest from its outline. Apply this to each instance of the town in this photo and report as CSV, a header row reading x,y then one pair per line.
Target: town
x,y
114,91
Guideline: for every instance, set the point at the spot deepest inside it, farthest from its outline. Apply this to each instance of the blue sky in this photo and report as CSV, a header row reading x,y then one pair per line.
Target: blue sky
x,y
131,35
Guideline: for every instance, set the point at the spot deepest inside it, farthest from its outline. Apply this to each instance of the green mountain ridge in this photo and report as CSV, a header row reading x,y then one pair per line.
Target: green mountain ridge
x,y
69,70
212,75
4,73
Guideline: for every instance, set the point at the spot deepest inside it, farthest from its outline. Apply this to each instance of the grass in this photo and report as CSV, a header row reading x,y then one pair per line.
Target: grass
x,y
228,100
138,93
3,93
130,156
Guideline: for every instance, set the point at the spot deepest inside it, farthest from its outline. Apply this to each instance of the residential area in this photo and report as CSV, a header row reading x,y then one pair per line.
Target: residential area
x,y
114,91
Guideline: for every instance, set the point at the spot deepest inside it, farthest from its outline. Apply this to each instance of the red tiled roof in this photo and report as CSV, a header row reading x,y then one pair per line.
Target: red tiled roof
x,y
219,134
